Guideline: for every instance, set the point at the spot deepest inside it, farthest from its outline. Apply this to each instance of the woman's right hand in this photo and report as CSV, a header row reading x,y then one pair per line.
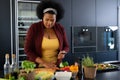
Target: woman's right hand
x,y
46,64
49,65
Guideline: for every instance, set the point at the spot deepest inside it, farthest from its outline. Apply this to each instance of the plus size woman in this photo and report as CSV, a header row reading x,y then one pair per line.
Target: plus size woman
x,y
46,43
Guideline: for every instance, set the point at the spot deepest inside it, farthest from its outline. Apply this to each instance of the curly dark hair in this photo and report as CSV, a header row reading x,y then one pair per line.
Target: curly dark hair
x,y
50,4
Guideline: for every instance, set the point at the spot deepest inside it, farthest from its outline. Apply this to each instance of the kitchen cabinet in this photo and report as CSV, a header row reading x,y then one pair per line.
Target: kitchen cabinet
x,y
81,55
106,12
25,16
106,56
94,12
83,12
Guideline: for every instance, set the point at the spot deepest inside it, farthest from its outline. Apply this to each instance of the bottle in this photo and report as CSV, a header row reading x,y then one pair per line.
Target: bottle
x,y
7,67
13,67
80,73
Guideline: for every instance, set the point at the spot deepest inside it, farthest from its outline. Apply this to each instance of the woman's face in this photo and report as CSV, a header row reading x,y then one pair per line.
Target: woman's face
x,y
49,20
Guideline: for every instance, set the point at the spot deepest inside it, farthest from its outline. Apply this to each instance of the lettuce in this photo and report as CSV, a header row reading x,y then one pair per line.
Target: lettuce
x,y
28,65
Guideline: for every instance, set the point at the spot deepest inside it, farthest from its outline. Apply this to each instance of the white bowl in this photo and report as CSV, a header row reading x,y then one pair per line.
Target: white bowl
x,y
63,75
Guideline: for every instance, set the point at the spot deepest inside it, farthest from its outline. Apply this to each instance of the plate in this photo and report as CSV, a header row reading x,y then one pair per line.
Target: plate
x,y
106,67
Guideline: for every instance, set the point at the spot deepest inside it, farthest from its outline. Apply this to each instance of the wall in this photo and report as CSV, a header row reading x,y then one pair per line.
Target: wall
x,y
5,37
90,13
66,22
77,12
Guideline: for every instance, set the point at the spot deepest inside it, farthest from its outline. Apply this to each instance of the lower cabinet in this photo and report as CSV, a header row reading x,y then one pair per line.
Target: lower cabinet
x,y
106,56
99,57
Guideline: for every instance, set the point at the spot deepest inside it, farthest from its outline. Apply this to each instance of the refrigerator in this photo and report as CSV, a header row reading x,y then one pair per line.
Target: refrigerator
x,y
25,15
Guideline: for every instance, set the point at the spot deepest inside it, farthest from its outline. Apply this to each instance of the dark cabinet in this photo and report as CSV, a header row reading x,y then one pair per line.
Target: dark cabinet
x,y
106,56
106,12
83,12
94,12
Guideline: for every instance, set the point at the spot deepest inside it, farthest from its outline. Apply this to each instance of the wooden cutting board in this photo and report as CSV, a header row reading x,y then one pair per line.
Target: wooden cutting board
x,y
31,75
44,69
40,69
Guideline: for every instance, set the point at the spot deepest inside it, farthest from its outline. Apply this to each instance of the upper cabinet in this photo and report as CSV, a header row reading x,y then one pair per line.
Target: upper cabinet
x,y
83,12
94,12
106,12
66,20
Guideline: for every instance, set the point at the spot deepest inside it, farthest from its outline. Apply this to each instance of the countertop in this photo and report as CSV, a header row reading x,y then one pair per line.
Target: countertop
x,y
111,75
107,75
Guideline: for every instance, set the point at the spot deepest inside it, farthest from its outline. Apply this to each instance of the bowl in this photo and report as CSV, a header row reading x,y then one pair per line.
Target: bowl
x,y
63,75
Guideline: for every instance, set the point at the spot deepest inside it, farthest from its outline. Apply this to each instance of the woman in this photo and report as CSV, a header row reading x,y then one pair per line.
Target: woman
x,y
46,43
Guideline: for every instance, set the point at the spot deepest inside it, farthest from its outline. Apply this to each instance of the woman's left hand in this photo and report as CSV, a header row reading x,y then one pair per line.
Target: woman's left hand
x,y
61,54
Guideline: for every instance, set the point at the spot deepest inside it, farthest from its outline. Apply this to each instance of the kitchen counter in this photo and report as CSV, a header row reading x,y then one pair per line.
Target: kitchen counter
x,y
111,75
107,75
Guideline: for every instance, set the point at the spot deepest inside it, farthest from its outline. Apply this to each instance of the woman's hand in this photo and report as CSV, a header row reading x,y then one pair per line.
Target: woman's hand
x,y
49,65
61,54
46,64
